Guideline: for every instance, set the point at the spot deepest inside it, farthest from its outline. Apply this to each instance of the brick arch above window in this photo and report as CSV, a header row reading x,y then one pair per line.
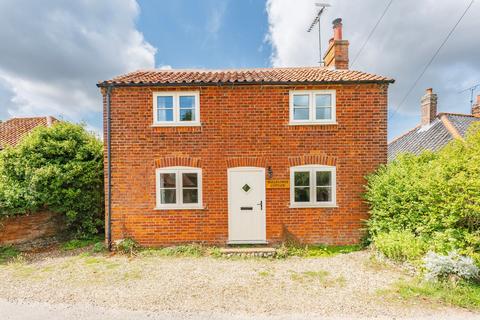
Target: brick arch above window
x,y
322,159
246,162
177,161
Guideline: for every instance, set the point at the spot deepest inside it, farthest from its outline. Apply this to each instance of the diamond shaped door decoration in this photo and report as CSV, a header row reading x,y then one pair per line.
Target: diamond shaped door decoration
x,y
246,188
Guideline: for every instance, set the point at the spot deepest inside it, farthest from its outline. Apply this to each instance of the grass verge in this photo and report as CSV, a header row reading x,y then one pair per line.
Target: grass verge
x,y
190,250
462,294
80,243
315,250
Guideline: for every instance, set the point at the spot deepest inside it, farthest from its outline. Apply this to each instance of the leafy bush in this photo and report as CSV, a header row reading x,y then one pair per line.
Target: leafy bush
x,y
435,197
59,168
399,245
127,246
7,253
442,267
99,247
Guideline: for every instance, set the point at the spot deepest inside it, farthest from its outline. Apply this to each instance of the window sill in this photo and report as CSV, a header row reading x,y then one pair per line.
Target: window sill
x,y
312,123
178,208
176,124
300,206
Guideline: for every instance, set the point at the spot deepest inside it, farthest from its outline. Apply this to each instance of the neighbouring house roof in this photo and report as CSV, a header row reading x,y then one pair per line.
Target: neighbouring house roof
x,y
13,130
434,136
244,76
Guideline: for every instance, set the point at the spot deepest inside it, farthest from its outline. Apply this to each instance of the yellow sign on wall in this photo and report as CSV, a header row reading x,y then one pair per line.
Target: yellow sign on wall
x,y
278,184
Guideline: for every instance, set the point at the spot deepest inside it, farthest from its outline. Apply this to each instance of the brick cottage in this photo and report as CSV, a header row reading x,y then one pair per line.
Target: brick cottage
x,y
243,156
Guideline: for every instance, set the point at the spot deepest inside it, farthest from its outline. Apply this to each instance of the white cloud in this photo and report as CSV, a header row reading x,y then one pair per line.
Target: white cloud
x,y
54,52
215,19
288,22
403,43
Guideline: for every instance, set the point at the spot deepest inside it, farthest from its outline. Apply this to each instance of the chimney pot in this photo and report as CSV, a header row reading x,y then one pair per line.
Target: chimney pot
x,y
337,29
429,107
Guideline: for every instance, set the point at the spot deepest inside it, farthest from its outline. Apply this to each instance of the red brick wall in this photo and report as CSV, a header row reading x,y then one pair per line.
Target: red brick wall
x,y
244,125
30,228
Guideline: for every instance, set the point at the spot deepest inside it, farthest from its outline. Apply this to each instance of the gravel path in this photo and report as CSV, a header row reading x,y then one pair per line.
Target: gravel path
x,y
344,286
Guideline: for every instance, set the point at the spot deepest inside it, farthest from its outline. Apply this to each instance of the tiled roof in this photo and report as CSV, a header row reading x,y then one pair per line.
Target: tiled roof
x,y
432,137
462,122
13,130
266,75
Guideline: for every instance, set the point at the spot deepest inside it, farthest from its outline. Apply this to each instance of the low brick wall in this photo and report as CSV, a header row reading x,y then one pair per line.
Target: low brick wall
x,y
31,230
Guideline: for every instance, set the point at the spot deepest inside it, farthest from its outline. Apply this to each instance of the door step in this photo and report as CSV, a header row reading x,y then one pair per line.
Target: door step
x,y
249,252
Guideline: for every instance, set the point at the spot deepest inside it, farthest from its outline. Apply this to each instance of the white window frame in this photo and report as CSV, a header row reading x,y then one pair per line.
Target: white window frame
x,y
176,109
178,188
312,107
312,169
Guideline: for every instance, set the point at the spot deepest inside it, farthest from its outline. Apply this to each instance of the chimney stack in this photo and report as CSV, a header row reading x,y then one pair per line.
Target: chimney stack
x,y
476,107
337,52
429,107
49,121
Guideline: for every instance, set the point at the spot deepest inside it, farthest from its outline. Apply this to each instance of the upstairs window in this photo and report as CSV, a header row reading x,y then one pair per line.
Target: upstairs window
x,y
176,108
312,107
313,186
179,188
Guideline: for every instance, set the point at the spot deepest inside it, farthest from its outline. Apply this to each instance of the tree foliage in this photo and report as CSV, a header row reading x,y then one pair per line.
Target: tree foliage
x,y
435,196
59,168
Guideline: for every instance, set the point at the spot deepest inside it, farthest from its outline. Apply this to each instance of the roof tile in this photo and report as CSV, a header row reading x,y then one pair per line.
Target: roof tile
x,y
432,137
13,130
266,75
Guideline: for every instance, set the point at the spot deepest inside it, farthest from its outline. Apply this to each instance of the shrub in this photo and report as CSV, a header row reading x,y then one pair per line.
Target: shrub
x,y
59,168
7,253
127,246
433,196
99,247
453,265
399,245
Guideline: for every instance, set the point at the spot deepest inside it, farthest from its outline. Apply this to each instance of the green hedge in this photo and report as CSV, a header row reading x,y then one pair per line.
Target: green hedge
x,y
59,168
434,196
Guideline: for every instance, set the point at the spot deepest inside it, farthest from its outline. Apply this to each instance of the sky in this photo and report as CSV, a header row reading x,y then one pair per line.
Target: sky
x,y
53,52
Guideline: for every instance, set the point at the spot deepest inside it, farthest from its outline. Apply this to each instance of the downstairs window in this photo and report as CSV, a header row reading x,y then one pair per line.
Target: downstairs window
x,y
313,186
179,188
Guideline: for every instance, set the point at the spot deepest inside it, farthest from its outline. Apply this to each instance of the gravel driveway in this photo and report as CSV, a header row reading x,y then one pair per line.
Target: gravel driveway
x,y
343,286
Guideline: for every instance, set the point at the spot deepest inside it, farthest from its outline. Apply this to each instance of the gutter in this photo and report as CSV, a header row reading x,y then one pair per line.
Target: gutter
x,y
264,83
109,171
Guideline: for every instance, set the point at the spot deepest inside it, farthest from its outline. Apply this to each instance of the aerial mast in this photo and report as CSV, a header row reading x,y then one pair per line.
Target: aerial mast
x,y
315,21
472,90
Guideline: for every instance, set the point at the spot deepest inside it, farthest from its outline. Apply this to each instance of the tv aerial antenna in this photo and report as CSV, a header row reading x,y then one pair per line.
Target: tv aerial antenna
x,y
472,89
316,20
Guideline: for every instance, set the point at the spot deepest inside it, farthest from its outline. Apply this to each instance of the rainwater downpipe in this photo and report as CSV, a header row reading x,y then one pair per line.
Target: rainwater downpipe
x,y
109,172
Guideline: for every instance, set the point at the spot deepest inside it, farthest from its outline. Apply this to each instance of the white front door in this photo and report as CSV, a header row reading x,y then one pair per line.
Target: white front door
x,y
246,205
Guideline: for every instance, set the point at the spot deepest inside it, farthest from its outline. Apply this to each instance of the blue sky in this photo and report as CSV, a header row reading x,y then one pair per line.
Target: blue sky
x,y
53,52
206,34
